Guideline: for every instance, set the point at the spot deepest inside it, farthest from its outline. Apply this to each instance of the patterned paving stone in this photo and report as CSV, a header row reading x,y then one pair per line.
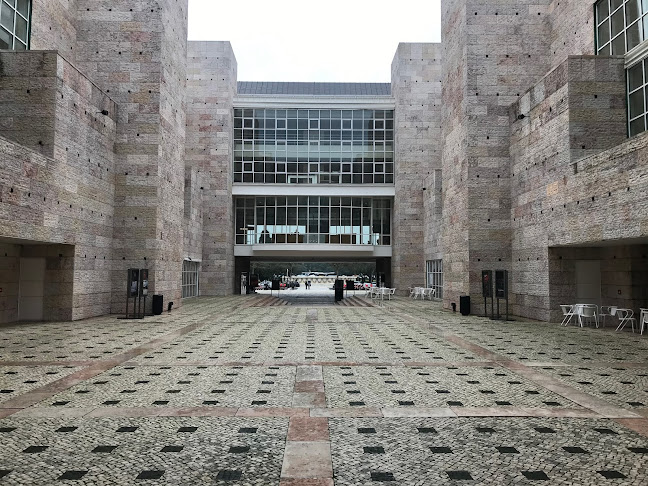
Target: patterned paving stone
x,y
622,386
96,452
183,386
490,451
16,380
158,399
389,386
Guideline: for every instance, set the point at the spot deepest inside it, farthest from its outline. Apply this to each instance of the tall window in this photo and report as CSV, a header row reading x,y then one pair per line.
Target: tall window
x,y
636,79
313,146
190,286
435,276
15,18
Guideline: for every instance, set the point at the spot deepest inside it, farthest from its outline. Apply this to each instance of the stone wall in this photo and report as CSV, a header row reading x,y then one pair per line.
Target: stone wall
x,y
572,29
576,110
134,50
498,49
64,192
45,200
53,26
454,157
416,88
211,89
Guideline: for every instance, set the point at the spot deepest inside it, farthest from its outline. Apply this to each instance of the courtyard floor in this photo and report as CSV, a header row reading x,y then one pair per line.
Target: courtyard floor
x,y
229,391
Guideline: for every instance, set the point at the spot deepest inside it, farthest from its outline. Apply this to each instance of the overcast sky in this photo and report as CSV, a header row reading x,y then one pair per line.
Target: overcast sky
x,y
305,40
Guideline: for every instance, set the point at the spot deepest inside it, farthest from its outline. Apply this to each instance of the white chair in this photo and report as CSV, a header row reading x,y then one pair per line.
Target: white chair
x,y
390,293
411,292
588,312
607,310
643,320
625,316
568,311
429,293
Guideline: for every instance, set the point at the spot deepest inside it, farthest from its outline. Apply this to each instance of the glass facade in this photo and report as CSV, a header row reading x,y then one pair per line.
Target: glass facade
x,y
14,24
435,276
190,286
620,25
313,219
294,146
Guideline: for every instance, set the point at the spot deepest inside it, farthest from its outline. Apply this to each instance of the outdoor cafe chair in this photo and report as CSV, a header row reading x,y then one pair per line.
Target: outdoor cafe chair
x,y
568,313
643,319
588,312
607,310
625,316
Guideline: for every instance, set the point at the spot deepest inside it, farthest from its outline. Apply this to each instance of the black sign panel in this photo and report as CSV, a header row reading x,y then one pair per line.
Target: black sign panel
x,y
276,285
133,281
487,283
143,281
501,284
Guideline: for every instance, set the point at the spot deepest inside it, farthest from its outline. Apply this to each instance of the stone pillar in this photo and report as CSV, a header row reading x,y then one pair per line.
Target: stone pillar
x,y
211,90
493,52
136,52
416,88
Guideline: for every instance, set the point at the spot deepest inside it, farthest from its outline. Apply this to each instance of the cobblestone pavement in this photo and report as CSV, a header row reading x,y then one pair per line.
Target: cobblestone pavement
x,y
223,391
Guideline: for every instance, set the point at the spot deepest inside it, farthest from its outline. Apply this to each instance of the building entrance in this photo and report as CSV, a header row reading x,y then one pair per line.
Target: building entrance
x,y
310,282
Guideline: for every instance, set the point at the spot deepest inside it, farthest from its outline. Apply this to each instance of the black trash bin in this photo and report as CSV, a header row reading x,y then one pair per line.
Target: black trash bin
x,y
464,305
339,290
158,305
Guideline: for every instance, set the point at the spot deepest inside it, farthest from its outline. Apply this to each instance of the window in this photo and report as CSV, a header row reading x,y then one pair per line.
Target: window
x,y
15,24
620,25
313,219
313,146
435,277
190,287
636,80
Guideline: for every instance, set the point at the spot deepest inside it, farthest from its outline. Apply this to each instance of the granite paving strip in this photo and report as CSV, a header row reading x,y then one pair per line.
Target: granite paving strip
x,y
5,412
308,429
306,482
272,412
346,412
304,459
639,426
48,363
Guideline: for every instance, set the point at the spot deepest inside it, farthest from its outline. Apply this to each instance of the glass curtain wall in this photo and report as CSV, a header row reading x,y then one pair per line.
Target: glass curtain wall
x,y
313,219
313,146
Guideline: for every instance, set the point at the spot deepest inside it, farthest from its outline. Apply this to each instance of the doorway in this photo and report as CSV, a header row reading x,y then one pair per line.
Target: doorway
x,y
588,282
31,289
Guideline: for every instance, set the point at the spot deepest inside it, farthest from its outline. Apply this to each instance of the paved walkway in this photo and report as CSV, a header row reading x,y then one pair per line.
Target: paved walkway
x,y
225,392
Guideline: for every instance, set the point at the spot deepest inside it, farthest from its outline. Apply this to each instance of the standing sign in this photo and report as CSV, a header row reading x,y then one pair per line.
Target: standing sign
x,y
136,288
487,290
133,279
501,289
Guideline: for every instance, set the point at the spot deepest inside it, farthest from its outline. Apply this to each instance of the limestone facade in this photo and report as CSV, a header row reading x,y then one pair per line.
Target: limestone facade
x,y
511,152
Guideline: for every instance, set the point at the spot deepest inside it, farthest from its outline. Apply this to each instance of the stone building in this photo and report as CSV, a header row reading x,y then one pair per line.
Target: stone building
x,y
515,144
